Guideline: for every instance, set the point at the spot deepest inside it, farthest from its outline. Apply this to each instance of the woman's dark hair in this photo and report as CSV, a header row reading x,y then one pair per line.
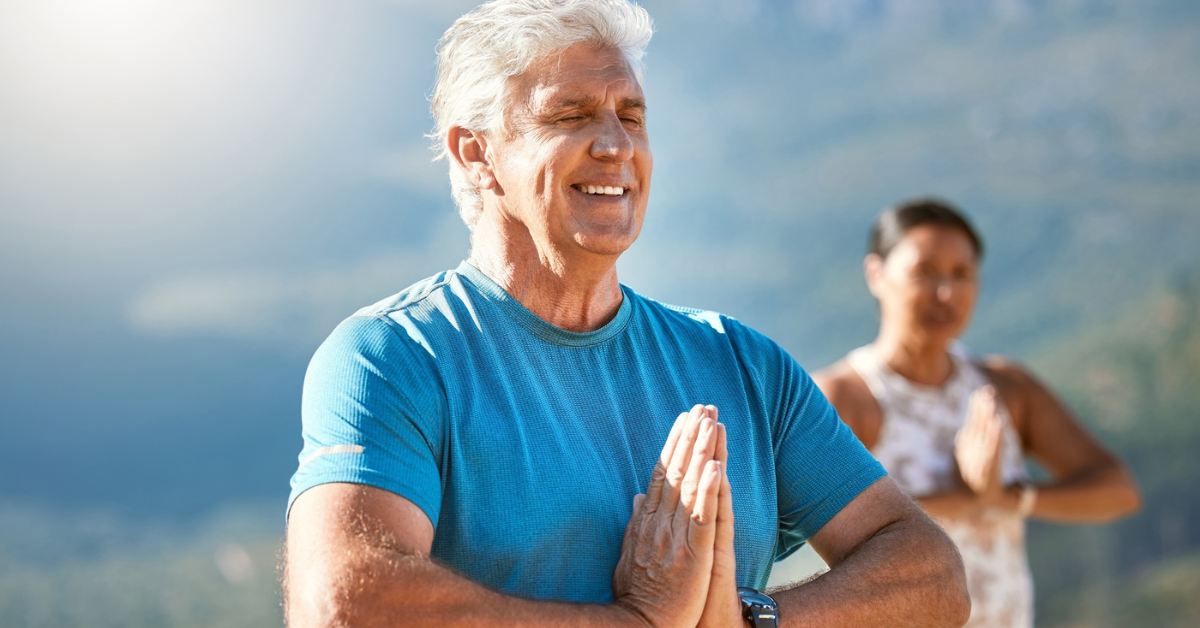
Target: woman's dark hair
x,y
889,228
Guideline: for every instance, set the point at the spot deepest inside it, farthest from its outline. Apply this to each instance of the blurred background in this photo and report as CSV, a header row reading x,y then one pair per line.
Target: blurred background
x,y
194,192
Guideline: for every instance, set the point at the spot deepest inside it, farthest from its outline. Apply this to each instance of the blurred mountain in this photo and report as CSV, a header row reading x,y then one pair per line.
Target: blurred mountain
x,y
1136,382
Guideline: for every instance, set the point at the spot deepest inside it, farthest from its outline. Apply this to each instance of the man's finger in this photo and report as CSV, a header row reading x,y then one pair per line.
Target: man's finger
x,y
722,452
725,496
659,476
635,519
725,509
702,529
702,453
724,555
677,468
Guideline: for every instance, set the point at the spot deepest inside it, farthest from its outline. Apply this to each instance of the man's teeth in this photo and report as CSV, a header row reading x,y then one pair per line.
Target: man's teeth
x,y
607,190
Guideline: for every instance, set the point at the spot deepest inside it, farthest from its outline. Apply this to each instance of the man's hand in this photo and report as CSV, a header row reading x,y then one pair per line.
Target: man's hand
x,y
668,552
723,609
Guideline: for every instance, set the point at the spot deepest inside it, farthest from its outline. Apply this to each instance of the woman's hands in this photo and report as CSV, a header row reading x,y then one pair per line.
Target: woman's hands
x,y
979,446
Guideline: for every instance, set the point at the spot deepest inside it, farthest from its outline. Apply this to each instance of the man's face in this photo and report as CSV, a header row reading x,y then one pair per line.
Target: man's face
x,y
573,163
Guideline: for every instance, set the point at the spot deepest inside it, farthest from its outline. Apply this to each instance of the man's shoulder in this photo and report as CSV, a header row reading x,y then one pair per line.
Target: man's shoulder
x,y
408,319
410,297
698,323
687,317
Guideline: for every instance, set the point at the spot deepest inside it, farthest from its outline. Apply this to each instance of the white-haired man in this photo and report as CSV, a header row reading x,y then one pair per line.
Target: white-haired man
x,y
486,448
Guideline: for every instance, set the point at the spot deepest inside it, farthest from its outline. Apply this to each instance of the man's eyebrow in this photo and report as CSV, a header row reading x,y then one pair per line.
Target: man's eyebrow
x,y
633,103
573,102
588,102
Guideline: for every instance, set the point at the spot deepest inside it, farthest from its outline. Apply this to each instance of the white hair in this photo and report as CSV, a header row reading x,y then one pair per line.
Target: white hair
x,y
483,49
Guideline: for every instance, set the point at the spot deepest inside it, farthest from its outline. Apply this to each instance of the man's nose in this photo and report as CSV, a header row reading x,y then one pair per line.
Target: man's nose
x,y
612,141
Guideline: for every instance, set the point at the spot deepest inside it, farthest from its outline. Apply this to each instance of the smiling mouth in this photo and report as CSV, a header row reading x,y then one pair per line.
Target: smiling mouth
x,y
600,190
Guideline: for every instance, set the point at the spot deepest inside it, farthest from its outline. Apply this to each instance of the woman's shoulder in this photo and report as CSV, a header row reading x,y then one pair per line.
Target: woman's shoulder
x,y
1007,374
851,397
1022,392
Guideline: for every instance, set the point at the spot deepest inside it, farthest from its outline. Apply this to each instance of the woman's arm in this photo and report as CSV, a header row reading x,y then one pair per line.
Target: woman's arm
x,y
1090,484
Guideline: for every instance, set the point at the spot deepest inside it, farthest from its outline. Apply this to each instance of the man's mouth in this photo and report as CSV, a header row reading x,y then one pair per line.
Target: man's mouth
x,y
603,190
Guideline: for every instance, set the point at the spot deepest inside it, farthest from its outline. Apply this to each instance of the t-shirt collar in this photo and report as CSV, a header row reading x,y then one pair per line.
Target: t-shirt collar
x,y
538,327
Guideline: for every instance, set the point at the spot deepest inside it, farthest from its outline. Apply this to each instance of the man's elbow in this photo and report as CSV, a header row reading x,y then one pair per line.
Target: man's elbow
x,y
954,600
312,605
323,600
945,581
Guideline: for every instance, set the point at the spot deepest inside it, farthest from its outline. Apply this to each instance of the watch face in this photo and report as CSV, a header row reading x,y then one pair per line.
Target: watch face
x,y
758,608
752,596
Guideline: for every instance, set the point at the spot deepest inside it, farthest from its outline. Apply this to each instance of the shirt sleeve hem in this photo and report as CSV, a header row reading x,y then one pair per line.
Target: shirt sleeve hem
x,y
835,501
376,480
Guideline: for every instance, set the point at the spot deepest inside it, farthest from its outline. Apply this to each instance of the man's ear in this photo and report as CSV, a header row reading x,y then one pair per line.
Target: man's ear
x,y
469,150
873,271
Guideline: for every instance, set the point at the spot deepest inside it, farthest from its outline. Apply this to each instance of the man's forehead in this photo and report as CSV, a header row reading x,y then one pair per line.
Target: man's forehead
x,y
583,76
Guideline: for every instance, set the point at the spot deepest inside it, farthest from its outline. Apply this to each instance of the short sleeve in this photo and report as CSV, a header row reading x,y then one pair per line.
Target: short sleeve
x,y
820,465
372,414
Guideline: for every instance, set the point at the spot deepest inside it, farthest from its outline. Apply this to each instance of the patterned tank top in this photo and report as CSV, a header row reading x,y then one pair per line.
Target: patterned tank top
x,y
916,446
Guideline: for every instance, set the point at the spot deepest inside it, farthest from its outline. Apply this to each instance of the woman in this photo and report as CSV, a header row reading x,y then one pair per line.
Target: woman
x,y
952,429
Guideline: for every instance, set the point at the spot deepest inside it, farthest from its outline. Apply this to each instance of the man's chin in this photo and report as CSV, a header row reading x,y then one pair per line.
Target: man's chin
x,y
606,240
611,247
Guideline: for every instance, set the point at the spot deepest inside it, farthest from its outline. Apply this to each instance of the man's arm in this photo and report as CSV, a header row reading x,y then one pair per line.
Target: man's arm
x,y
359,556
890,565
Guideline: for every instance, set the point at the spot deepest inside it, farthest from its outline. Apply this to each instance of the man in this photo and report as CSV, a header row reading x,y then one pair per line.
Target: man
x,y
476,447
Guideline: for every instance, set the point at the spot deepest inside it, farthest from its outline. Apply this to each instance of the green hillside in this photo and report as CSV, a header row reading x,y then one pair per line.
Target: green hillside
x,y
1136,382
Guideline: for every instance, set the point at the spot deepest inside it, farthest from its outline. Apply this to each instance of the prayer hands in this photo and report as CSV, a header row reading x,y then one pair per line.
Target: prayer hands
x,y
979,446
677,564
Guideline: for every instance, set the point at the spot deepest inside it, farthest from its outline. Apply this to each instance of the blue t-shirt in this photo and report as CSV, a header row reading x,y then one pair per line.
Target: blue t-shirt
x,y
525,443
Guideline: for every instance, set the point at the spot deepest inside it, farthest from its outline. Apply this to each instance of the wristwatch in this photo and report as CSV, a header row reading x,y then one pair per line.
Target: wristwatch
x,y
758,608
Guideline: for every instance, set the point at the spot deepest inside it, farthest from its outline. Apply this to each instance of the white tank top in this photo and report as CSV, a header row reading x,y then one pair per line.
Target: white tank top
x,y
916,446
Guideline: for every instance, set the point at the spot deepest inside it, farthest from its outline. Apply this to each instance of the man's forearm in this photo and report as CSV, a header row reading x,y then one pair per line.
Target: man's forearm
x,y
908,574
389,588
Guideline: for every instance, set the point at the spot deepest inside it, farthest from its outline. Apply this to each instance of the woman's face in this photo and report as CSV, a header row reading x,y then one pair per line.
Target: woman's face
x,y
927,284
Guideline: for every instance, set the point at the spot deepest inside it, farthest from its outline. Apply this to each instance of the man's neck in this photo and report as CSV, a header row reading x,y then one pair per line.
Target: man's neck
x,y
574,292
